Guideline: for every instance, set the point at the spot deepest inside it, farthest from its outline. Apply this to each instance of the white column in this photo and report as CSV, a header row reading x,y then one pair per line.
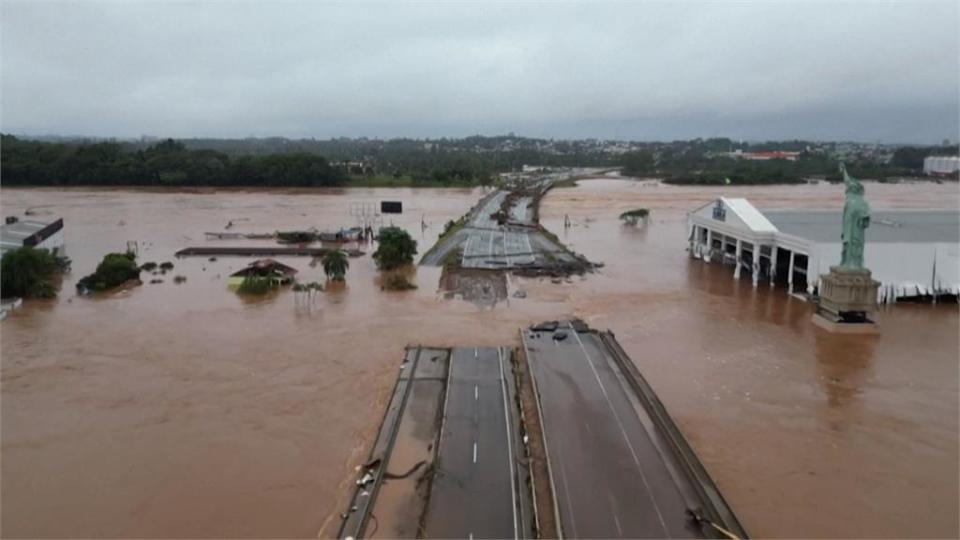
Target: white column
x,y
694,241
790,272
736,271
773,264
709,251
755,277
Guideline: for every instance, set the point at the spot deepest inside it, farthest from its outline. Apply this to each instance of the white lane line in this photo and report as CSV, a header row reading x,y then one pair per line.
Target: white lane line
x,y
476,351
623,432
490,246
506,423
474,452
566,495
613,512
506,252
466,251
476,393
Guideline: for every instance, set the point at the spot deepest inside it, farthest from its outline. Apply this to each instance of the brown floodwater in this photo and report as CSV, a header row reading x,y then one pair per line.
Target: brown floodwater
x,y
186,410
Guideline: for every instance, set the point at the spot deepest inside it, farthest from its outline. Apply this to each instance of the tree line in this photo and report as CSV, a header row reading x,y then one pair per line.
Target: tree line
x,y
430,162
167,163
710,164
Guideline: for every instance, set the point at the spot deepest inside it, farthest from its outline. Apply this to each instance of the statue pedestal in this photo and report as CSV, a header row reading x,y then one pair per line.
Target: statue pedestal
x,y
848,296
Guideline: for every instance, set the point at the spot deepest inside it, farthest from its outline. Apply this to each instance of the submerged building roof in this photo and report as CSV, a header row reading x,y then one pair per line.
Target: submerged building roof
x,y
265,267
27,232
894,226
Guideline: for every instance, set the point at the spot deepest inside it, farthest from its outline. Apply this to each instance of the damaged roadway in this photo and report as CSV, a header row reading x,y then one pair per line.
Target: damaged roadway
x,y
456,453
619,466
446,460
502,232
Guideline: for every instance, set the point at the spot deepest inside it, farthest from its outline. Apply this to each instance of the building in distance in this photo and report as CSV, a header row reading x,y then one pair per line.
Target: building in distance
x,y
941,165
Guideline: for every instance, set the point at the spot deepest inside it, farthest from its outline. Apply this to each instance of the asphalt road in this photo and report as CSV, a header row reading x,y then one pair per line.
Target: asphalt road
x,y
609,478
501,248
488,245
473,494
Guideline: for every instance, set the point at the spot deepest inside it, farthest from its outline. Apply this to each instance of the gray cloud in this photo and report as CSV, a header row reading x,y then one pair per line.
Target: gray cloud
x,y
648,70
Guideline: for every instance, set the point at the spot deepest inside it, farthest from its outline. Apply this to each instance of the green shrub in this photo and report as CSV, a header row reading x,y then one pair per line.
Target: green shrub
x,y
166,266
296,237
148,266
179,279
398,282
27,272
396,248
115,269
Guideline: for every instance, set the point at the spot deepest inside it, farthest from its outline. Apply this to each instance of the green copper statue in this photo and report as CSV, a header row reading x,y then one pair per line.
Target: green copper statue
x,y
856,219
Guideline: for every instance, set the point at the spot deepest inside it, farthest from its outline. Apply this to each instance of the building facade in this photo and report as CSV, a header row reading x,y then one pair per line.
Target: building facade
x,y
941,165
910,252
16,233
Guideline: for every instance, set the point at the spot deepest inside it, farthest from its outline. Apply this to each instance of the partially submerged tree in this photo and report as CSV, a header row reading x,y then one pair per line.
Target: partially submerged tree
x,y
335,264
115,269
396,248
398,282
632,217
27,272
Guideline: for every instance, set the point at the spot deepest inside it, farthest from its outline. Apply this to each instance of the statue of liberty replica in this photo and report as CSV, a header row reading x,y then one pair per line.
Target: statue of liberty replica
x,y
848,294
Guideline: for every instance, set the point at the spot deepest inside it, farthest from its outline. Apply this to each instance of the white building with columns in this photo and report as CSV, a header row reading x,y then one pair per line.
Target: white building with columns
x,y
910,252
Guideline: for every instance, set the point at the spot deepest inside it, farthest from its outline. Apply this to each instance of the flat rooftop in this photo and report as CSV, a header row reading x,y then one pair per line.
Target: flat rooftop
x,y
891,226
12,235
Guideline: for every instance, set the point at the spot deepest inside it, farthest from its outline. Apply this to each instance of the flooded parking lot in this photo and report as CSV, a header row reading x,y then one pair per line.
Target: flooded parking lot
x,y
187,410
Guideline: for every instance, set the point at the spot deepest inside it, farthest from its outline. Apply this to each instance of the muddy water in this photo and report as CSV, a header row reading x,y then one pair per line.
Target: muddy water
x,y
185,410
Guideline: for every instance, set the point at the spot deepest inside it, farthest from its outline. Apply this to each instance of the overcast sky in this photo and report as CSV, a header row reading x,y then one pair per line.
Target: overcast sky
x,y
867,71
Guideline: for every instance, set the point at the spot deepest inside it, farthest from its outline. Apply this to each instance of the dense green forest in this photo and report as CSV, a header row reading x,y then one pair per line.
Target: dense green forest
x,y
279,162
168,163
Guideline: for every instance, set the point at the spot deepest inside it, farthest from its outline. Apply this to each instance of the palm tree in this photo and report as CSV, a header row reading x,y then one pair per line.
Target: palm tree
x,y
335,264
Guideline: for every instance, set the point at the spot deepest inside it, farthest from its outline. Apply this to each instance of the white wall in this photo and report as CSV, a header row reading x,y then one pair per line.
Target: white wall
x,y
903,269
53,241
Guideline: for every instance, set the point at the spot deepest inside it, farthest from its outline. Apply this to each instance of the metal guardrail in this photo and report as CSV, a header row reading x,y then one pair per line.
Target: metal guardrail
x,y
355,519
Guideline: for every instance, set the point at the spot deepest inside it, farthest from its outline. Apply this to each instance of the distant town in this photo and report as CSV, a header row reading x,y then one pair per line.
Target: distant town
x,y
475,160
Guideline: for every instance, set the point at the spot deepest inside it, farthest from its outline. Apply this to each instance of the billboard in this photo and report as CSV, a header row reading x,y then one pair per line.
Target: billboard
x,y
391,207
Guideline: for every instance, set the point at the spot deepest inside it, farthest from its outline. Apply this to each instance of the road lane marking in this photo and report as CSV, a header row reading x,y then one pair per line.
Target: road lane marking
x,y
490,246
623,432
613,512
506,423
474,452
506,252
475,392
566,493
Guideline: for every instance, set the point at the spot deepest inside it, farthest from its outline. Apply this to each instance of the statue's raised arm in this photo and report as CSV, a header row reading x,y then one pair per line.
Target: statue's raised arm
x,y
847,179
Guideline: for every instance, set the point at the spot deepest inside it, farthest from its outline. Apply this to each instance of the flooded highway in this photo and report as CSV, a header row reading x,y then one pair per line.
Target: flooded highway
x,y
187,410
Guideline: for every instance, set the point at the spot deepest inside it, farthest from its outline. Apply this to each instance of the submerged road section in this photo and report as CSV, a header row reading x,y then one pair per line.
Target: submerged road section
x,y
619,466
447,462
502,232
